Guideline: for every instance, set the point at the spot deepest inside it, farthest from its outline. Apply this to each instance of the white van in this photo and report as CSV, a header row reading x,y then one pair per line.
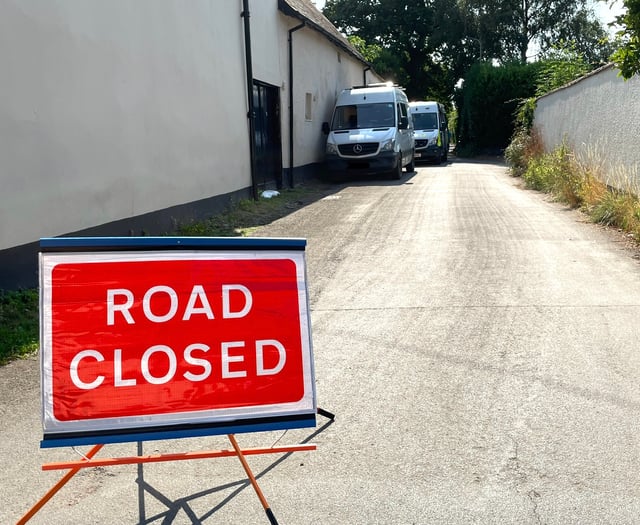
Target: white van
x,y
431,131
370,132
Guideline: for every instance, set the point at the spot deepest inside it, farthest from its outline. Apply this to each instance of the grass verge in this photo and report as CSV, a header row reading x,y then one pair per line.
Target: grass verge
x,y
19,310
19,321
577,185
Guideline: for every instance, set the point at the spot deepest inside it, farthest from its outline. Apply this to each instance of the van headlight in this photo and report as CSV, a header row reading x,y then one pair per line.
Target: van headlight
x,y
332,149
388,145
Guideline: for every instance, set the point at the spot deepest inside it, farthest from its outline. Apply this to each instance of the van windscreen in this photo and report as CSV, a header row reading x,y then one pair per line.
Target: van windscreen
x,y
363,116
425,121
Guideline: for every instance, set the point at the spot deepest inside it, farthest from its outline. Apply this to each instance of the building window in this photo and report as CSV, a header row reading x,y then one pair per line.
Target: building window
x,y
308,103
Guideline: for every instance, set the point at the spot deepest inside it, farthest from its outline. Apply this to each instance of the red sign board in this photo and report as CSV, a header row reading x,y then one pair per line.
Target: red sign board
x,y
133,341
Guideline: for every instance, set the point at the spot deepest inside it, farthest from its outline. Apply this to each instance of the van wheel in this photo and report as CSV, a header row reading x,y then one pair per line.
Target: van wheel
x,y
397,173
411,167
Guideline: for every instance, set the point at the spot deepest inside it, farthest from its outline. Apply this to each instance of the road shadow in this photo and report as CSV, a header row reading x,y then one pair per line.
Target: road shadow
x,y
181,507
360,179
496,160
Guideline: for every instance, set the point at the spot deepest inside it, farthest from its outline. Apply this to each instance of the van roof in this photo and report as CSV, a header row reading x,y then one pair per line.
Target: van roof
x,y
375,88
372,93
427,106
377,84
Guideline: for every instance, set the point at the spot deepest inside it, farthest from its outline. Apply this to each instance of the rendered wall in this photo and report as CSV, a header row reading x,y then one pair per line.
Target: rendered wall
x,y
323,72
320,68
599,117
114,109
129,117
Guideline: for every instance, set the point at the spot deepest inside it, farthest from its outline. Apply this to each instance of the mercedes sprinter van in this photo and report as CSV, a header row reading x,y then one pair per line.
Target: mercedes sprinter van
x,y
371,132
431,131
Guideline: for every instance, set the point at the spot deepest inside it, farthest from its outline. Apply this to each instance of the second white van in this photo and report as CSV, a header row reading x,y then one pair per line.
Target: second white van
x,y
431,131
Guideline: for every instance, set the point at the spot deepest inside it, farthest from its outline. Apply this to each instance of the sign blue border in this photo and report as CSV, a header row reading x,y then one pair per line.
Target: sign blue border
x,y
258,424
96,438
58,244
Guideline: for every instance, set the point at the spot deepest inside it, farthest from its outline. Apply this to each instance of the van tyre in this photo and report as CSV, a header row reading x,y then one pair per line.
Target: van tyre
x,y
397,173
411,167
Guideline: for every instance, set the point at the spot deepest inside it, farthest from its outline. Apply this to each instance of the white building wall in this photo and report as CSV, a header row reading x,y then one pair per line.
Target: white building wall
x,y
124,117
320,68
269,42
114,109
599,118
322,72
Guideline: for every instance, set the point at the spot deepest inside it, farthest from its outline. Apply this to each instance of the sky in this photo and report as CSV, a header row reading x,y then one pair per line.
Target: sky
x,y
607,13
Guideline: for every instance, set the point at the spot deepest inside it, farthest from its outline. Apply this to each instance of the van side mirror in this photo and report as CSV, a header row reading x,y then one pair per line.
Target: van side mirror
x,y
325,128
404,122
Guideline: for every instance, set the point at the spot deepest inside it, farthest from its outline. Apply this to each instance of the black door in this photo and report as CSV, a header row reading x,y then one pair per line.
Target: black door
x,y
266,104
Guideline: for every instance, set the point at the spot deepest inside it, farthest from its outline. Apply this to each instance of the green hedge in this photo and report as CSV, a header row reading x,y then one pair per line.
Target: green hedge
x,y
487,103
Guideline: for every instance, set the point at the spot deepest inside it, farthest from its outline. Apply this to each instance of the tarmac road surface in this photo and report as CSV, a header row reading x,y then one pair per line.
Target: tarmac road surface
x,y
478,344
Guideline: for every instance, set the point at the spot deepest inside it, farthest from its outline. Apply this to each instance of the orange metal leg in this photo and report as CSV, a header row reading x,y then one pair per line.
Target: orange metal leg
x,y
63,481
157,458
252,479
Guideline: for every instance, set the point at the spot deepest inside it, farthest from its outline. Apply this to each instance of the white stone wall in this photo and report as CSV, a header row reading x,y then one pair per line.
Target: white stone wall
x,y
599,118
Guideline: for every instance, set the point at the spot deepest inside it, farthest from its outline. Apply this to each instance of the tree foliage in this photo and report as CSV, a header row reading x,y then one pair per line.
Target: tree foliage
x,y
536,22
560,66
557,68
434,42
585,35
409,36
627,57
386,63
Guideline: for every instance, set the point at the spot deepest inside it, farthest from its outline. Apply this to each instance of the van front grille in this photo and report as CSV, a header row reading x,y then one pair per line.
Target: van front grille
x,y
359,149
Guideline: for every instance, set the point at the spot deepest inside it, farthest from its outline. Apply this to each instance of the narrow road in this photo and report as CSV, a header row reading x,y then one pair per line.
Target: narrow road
x,y
478,343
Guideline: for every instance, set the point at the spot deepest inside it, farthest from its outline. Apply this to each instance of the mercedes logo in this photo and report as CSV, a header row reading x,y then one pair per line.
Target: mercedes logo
x,y
357,148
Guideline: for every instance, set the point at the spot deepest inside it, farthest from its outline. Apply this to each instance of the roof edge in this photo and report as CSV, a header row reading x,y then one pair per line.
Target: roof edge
x,y
312,17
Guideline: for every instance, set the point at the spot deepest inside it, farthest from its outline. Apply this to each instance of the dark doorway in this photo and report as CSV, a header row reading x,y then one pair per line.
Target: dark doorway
x,y
266,104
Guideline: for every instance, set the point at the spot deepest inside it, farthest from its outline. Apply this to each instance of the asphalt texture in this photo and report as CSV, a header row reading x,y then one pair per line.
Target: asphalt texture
x,y
477,343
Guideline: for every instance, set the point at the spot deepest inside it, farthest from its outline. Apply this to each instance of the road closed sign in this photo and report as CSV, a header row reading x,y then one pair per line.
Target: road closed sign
x,y
154,338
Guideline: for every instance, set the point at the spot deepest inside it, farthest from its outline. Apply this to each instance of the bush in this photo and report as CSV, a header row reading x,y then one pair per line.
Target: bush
x,y
618,209
19,320
525,113
556,173
559,174
523,148
539,173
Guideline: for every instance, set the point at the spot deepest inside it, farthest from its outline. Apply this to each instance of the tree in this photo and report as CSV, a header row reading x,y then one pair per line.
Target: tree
x,y
434,42
627,57
525,24
484,23
411,32
385,63
585,36
560,66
